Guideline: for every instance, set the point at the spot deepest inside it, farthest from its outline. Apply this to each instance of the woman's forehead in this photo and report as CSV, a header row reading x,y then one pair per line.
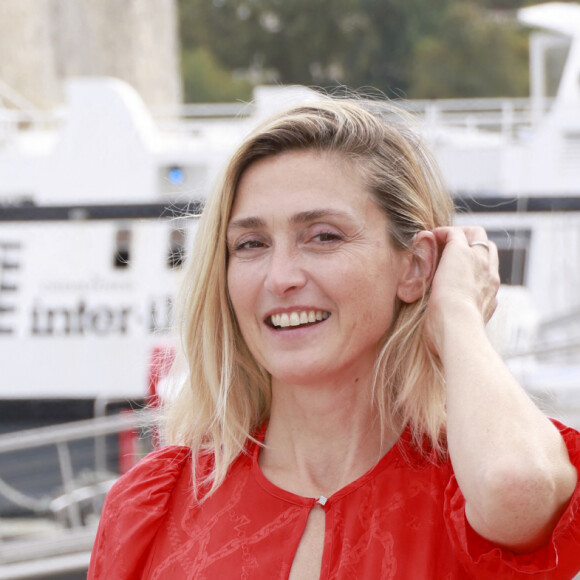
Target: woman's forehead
x,y
304,181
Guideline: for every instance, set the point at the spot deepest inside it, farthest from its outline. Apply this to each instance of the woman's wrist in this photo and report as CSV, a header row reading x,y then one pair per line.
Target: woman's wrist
x,y
459,325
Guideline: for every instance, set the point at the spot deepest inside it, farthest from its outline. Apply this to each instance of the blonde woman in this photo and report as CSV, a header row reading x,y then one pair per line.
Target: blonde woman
x,y
344,415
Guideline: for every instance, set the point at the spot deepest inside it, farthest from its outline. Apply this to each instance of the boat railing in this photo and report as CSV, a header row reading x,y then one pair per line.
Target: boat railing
x,y
548,367
549,339
510,117
197,118
18,115
71,514
12,98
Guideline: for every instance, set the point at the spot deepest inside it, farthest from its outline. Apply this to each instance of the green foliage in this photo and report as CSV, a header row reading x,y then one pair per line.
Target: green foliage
x,y
477,57
414,48
206,81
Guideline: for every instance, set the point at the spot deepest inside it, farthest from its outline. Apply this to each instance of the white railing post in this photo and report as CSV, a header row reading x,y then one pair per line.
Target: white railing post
x,y
67,476
507,120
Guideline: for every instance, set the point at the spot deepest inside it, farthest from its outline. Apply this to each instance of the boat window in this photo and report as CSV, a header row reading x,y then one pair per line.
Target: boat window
x,y
513,249
176,254
122,254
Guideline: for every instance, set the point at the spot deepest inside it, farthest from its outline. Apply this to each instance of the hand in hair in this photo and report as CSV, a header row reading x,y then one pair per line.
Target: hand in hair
x,y
466,279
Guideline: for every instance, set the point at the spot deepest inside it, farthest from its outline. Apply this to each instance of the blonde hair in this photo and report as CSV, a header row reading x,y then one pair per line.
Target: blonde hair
x,y
226,395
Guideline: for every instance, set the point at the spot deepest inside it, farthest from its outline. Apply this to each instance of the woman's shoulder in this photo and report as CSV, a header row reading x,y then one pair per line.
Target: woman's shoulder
x,y
158,471
134,509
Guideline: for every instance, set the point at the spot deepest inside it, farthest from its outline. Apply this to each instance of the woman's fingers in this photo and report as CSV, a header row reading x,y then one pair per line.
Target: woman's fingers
x,y
467,272
478,241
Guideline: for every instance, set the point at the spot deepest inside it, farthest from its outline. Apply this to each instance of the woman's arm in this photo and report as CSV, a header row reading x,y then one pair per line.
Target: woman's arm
x,y
509,459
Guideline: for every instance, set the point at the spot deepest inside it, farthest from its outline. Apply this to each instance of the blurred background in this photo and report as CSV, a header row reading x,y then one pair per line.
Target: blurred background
x,y
116,118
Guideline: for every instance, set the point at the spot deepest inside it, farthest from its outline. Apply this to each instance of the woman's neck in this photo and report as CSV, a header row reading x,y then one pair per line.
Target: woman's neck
x,y
321,438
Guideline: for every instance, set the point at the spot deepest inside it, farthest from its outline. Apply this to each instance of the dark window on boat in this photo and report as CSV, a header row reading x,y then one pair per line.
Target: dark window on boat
x,y
513,248
122,254
176,254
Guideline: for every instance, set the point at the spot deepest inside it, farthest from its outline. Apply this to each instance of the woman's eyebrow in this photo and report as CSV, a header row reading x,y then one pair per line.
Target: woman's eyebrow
x,y
315,214
254,222
247,223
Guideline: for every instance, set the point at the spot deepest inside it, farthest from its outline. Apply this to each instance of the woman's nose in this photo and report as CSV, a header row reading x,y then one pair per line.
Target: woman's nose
x,y
285,272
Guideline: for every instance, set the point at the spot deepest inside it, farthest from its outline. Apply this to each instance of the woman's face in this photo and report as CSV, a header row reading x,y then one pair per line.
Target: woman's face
x,y
312,274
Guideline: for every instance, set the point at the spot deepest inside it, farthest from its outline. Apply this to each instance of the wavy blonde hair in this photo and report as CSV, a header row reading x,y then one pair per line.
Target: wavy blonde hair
x,y
226,396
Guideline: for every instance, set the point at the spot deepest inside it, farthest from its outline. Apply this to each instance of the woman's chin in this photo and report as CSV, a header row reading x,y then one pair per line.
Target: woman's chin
x,y
307,375
298,375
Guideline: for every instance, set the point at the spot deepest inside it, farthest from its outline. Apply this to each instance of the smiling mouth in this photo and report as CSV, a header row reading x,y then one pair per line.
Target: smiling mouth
x,y
297,318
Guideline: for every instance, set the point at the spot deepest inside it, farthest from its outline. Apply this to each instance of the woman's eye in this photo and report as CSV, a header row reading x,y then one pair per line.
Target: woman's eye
x,y
248,245
327,237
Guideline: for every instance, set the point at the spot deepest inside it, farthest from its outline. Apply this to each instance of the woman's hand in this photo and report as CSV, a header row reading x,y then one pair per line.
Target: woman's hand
x,y
466,280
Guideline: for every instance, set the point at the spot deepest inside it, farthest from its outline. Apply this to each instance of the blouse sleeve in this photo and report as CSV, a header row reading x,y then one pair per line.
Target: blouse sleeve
x,y
558,559
133,511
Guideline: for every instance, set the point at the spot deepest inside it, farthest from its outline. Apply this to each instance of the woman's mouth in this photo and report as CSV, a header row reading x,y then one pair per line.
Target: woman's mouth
x,y
297,318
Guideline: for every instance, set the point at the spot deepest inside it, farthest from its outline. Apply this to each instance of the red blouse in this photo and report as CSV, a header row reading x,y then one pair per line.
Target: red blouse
x,y
403,519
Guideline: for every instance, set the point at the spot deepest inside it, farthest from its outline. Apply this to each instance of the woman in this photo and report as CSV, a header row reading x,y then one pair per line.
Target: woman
x,y
344,415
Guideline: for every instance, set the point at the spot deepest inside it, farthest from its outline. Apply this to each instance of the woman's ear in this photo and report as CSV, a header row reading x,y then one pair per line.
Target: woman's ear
x,y
418,267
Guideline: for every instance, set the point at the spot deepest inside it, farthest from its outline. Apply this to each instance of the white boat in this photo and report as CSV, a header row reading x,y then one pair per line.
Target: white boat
x,y
92,234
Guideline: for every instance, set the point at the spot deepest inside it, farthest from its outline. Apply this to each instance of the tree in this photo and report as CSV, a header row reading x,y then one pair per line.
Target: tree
x,y
479,56
414,48
301,40
206,81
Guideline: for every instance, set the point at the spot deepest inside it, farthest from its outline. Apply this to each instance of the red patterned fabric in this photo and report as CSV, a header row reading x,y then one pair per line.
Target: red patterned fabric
x,y
404,519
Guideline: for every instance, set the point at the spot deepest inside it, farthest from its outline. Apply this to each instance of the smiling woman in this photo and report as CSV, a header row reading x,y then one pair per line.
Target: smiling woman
x,y
317,243
343,415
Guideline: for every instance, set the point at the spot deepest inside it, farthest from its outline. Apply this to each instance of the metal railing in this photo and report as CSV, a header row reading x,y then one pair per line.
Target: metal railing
x,y
18,114
71,515
510,117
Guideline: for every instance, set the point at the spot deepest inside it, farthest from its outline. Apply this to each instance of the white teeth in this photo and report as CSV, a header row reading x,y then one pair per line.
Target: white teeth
x,y
297,318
